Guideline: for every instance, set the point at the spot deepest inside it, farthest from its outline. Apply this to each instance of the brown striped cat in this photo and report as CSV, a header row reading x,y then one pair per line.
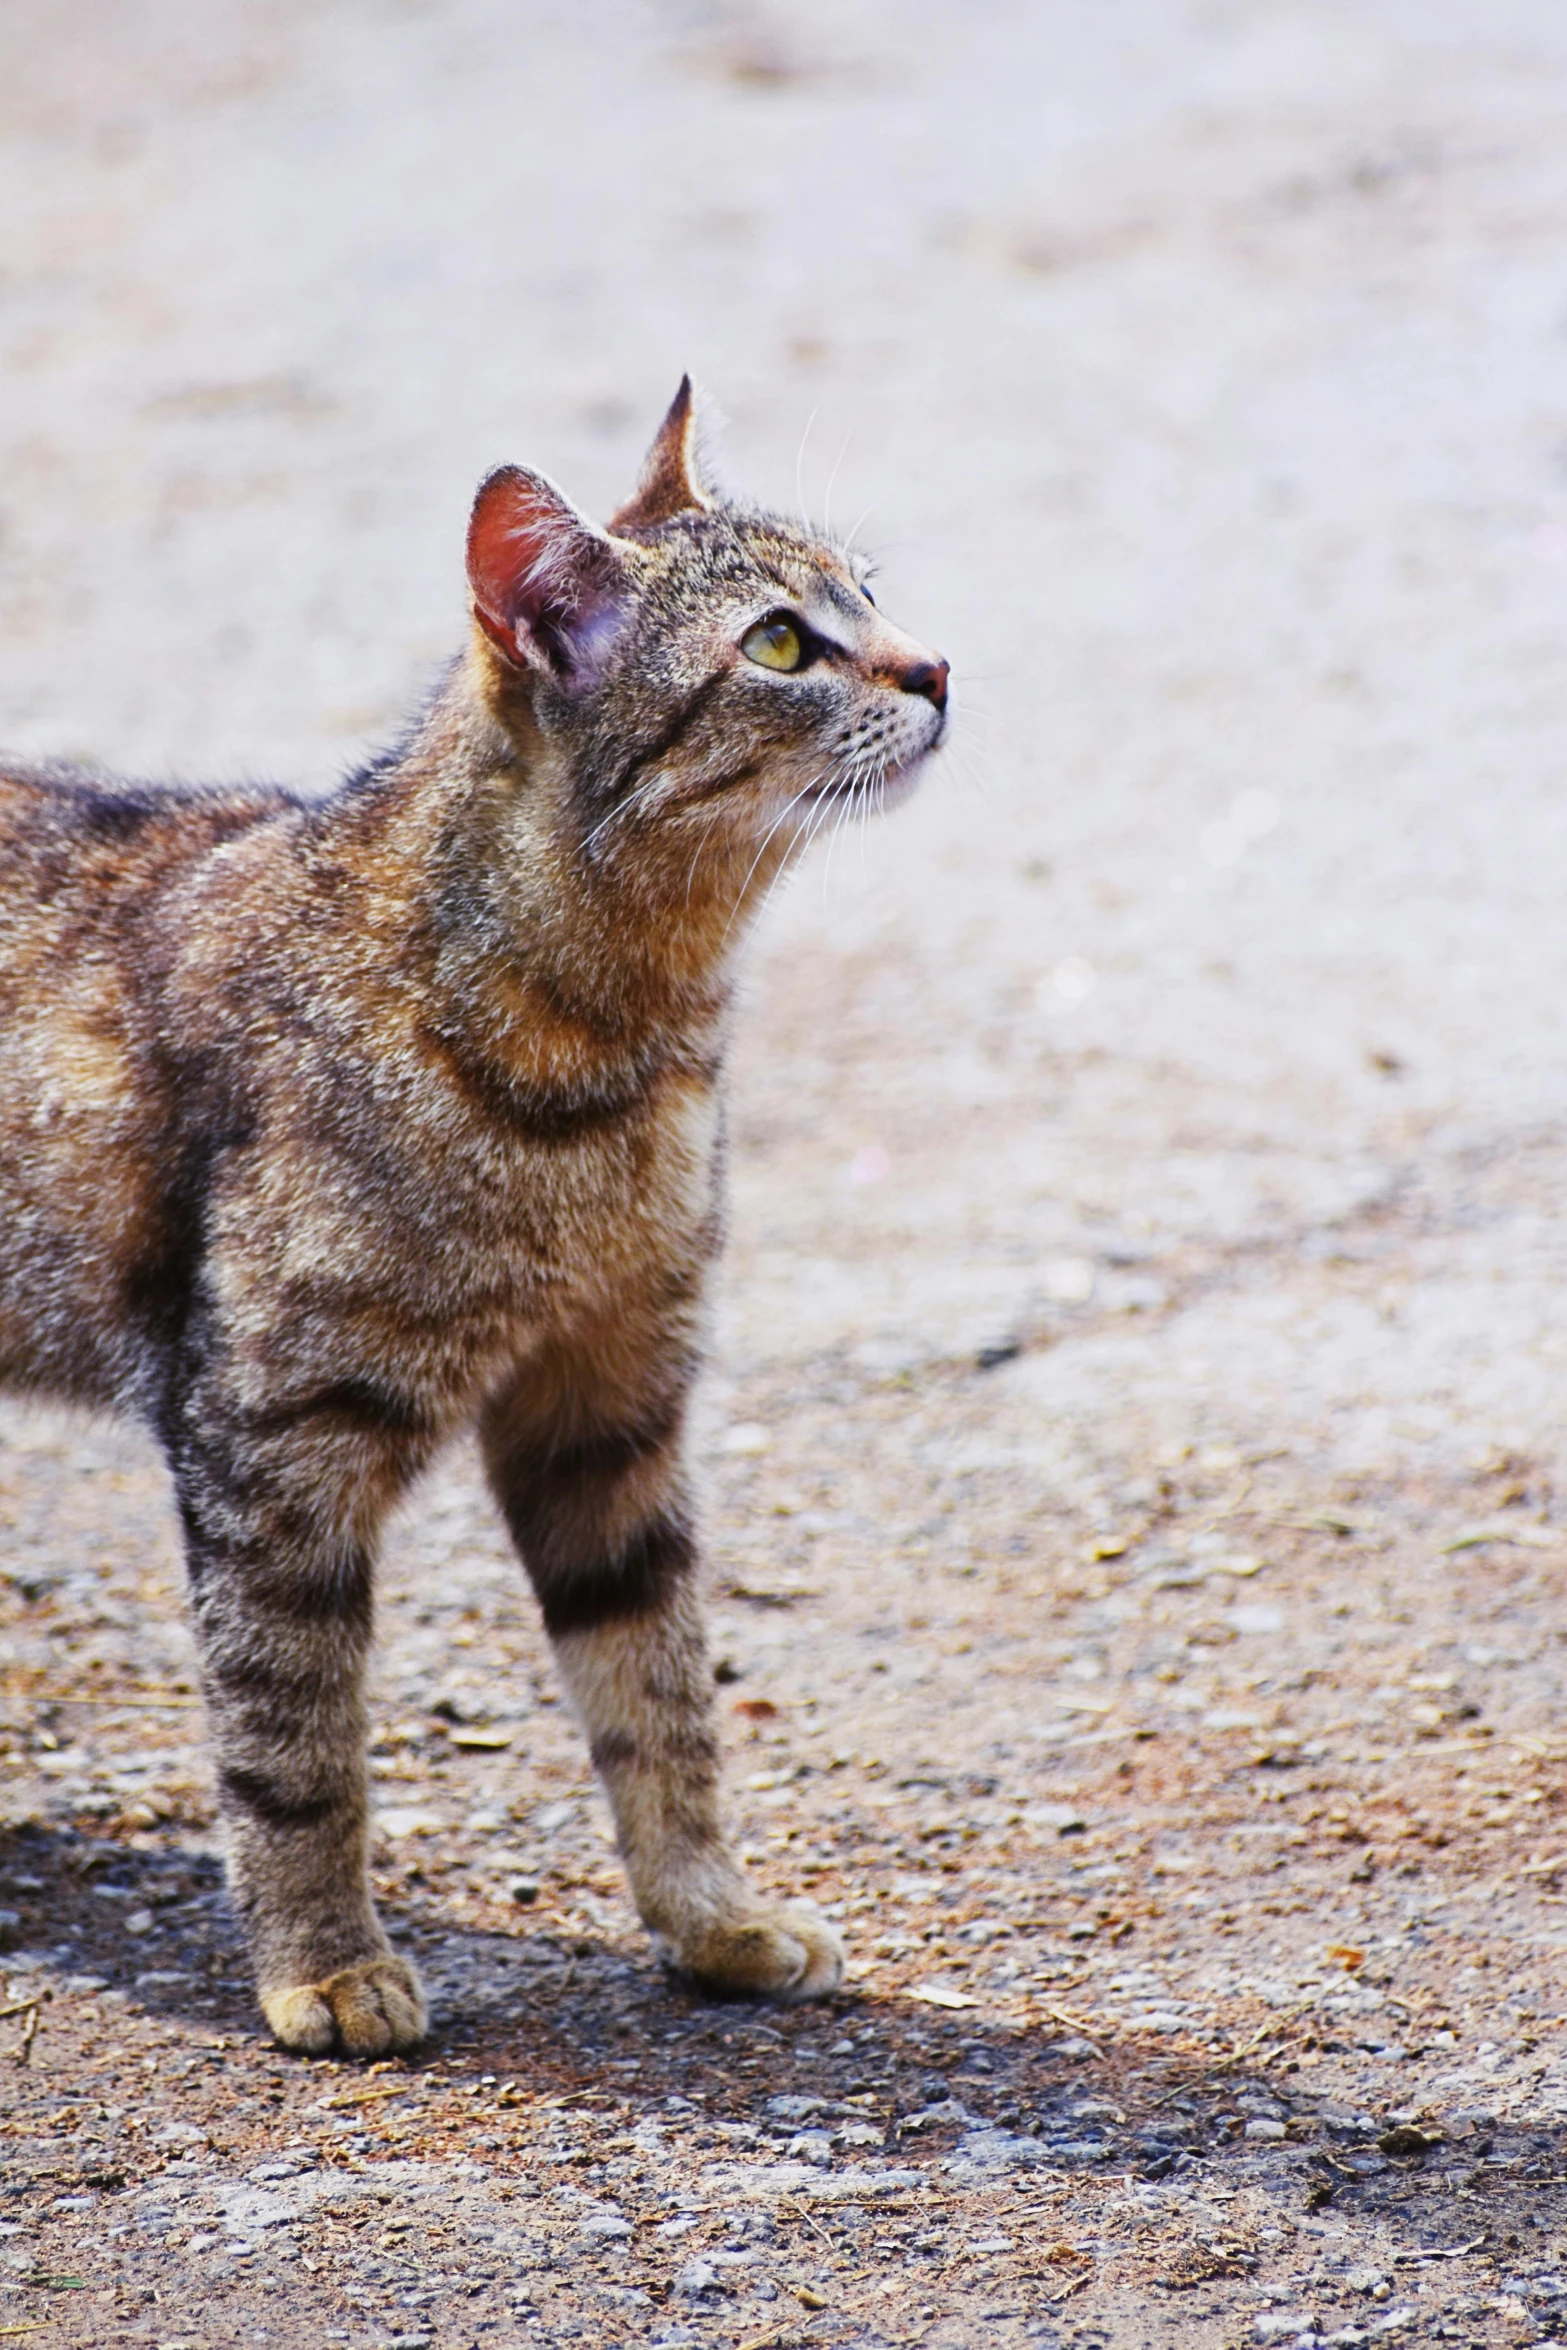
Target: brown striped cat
x,y
331,1126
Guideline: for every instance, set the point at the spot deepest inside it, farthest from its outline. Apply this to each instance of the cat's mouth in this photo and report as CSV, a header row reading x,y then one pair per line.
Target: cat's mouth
x,y
877,788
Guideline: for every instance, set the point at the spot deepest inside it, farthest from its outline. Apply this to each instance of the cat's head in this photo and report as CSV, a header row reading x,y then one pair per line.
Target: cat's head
x,y
704,667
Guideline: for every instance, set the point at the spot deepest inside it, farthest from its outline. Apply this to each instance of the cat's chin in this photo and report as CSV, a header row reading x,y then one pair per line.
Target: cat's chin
x,y
900,782
876,797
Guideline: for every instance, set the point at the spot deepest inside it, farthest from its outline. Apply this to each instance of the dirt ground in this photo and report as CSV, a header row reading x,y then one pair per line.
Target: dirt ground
x,y
1134,1436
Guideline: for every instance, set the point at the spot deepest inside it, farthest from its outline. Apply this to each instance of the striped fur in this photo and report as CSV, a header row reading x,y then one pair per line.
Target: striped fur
x,y
328,1128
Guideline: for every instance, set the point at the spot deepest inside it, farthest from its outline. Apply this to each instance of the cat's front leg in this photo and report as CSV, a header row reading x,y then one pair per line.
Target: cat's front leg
x,y
282,1616
642,1686
604,1526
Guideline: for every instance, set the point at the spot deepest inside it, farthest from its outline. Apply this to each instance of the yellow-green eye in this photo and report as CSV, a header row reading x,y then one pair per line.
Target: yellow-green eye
x,y
774,643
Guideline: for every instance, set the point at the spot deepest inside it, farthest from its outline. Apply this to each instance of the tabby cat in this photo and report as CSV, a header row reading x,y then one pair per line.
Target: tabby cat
x,y
331,1126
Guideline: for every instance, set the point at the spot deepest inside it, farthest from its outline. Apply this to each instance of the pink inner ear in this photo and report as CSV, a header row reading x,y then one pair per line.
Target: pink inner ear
x,y
547,586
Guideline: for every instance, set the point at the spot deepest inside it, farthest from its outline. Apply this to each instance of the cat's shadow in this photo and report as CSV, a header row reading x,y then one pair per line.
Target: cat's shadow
x,y
581,2019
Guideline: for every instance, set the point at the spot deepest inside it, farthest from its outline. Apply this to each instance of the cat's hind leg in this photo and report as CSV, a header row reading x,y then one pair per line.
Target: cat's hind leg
x,y
604,1525
281,1602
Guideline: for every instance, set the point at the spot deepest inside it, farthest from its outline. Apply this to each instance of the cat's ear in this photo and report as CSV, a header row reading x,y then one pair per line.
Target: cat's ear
x,y
671,482
549,591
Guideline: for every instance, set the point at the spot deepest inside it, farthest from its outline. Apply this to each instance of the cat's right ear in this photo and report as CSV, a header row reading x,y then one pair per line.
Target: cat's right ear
x,y
671,480
548,589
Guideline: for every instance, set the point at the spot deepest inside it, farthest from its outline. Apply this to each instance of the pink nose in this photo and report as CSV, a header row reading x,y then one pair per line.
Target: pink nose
x,y
928,678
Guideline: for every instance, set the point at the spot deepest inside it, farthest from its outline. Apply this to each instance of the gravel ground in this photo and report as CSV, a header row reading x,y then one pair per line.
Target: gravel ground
x,y
1133,1435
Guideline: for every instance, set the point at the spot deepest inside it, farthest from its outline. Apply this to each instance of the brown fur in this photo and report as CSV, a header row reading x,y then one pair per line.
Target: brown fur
x,y
328,1128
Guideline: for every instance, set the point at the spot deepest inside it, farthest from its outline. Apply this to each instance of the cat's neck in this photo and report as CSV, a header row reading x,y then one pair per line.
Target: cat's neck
x,y
479,824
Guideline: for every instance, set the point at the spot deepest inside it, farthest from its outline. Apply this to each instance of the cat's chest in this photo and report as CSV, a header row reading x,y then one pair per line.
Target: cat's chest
x,y
630,1191
563,1235
469,1241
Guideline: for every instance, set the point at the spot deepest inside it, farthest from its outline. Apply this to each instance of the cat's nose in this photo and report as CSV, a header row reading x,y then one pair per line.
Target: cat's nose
x,y
928,678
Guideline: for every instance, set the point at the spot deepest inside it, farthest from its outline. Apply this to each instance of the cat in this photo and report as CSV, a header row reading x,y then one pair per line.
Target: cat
x,y
331,1126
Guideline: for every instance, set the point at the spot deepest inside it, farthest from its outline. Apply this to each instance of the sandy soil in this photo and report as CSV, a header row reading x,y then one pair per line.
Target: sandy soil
x,y
1133,1433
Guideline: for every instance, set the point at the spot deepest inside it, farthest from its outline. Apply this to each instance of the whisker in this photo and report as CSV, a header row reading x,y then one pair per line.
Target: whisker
x,y
766,838
879,788
799,469
788,865
859,809
842,803
865,516
967,768
818,818
712,816
643,791
832,806
856,774
831,478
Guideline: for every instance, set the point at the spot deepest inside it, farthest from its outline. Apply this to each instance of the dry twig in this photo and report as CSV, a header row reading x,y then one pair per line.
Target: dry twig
x,y
35,1696
352,2097
24,2047
1073,2023
1054,2300
798,2211
1250,2047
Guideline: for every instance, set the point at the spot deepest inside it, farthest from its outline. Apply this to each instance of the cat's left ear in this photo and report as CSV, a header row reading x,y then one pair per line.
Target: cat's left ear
x,y
549,590
671,480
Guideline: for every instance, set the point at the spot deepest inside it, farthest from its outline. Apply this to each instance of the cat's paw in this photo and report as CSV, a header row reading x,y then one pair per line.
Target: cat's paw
x,y
787,1952
366,2010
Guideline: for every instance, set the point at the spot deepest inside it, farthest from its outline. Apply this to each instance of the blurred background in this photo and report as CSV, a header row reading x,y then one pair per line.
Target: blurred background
x,y
1197,370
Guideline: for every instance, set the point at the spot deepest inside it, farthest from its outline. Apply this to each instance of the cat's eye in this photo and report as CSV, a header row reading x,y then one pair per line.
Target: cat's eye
x,y
774,643
866,593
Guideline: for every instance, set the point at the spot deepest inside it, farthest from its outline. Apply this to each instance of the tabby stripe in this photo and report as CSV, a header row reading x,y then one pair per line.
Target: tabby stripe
x,y
662,744
379,1410
230,1583
613,1750
595,1460
508,1100
266,1801
639,1582
675,1746
715,790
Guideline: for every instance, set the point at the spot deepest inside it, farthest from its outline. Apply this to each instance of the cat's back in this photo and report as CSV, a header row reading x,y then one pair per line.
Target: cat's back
x,y
91,875
82,850
81,865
